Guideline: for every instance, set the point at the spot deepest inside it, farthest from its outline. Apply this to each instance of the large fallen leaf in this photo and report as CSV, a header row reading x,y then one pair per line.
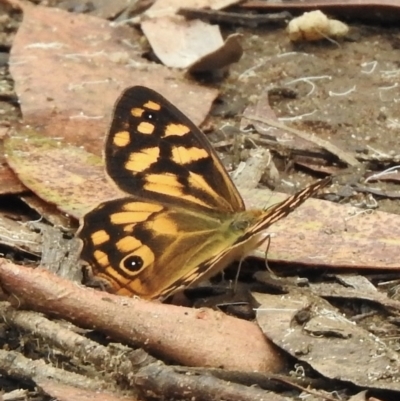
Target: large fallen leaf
x,y
319,233
64,175
326,234
69,70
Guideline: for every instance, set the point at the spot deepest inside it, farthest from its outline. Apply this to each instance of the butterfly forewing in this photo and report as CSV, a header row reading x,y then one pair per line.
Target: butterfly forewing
x,y
153,151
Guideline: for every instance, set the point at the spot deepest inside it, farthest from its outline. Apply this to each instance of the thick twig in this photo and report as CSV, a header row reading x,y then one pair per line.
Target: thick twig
x,y
17,366
117,360
244,19
167,383
188,336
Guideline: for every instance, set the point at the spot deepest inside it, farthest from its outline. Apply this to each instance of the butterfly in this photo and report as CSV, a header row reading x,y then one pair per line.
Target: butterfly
x,y
183,220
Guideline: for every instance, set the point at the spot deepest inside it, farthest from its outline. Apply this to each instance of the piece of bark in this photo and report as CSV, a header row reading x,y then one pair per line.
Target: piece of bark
x,y
385,10
167,383
115,360
63,392
19,367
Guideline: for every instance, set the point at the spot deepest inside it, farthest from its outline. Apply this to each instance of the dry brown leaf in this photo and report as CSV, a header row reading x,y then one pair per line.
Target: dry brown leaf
x,y
9,182
313,331
66,176
67,79
230,52
321,233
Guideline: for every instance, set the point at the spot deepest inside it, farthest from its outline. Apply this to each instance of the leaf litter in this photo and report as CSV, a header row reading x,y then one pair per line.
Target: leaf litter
x,y
341,236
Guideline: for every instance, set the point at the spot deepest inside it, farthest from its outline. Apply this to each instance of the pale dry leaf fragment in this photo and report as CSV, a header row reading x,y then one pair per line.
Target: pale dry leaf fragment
x,y
315,25
249,173
179,43
361,396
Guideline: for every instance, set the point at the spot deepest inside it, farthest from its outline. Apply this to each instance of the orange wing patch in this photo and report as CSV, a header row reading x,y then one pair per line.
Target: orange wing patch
x,y
152,105
176,129
122,139
100,237
143,160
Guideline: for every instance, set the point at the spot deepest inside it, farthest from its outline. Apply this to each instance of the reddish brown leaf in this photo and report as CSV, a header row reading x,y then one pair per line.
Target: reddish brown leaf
x,y
67,78
321,233
66,176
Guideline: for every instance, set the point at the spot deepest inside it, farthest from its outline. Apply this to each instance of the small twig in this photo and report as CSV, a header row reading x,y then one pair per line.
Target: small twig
x,y
375,177
19,367
377,192
115,359
244,19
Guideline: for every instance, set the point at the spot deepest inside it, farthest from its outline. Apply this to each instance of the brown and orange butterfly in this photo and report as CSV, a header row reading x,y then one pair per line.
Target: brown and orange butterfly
x,y
183,219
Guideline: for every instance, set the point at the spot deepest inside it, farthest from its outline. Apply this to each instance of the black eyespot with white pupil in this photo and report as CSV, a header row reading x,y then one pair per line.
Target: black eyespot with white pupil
x,y
133,263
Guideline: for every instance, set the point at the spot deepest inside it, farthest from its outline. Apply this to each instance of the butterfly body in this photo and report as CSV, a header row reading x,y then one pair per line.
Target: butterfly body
x,y
183,219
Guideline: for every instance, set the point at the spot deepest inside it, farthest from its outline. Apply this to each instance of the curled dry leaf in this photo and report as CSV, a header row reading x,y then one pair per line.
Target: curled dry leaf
x,y
230,52
315,25
180,43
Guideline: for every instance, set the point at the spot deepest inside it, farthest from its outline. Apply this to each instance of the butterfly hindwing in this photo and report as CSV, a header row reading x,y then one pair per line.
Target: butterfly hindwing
x,y
144,248
153,151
